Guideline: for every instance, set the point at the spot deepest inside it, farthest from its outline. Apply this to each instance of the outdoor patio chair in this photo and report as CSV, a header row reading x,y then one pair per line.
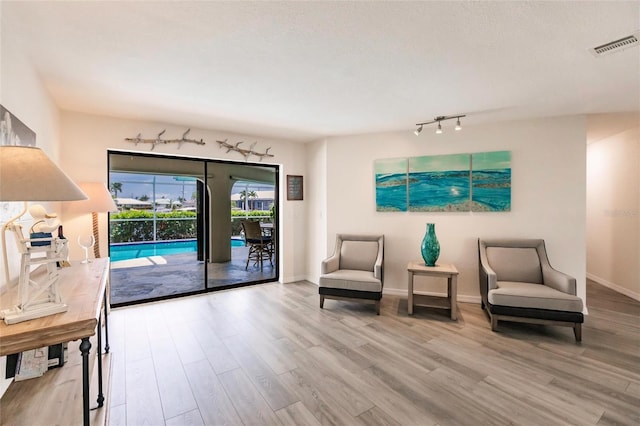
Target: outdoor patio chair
x,y
260,245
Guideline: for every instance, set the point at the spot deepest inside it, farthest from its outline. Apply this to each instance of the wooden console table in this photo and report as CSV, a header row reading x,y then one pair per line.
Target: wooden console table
x,y
448,271
84,290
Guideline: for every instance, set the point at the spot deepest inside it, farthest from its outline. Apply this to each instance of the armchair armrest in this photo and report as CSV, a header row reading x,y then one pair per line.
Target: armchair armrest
x,y
490,276
330,264
377,271
559,280
377,267
486,273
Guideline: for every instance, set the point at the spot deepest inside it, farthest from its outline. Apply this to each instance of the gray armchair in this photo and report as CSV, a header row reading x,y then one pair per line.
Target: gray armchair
x,y
517,283
355,270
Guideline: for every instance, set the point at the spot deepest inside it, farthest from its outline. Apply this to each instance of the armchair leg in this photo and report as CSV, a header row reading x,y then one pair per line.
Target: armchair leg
x,y
494,323
577,331
378,307
321,302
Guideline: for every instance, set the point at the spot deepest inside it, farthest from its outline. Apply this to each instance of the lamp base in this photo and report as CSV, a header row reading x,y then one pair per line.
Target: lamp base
x,y
15,315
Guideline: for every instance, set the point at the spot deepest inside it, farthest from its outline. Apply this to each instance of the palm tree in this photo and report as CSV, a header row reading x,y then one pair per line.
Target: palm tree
x,y
115,188
247,194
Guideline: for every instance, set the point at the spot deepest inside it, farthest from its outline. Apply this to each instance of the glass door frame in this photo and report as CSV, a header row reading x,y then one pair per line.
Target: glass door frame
x,y
204,215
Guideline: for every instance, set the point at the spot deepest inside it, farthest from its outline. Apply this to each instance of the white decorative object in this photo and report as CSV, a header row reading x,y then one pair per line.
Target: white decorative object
x,y
86,242
158,141
43,221
38,296
246,153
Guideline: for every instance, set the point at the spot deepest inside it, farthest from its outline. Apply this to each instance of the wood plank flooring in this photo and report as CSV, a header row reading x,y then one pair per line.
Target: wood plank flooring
x,y
269,355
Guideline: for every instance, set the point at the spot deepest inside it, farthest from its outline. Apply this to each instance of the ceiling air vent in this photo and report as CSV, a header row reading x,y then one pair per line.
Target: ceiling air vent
x,y
617,45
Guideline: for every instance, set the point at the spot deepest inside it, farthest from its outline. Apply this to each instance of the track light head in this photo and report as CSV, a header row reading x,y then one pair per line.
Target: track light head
x,y
418,130
458,126
439,129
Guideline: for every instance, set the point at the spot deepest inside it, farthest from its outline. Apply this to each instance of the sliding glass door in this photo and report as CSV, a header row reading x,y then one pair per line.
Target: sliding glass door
x,y
177,230
250,193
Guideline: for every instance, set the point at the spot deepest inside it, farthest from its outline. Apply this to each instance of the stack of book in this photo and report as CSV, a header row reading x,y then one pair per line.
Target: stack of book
x,y
34,363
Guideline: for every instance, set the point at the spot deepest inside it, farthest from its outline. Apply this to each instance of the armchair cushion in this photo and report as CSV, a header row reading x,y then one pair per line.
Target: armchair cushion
x,y
515,264
358,255
537,296
351,279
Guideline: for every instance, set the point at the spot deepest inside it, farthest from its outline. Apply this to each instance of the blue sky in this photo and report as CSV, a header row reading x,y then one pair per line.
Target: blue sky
x,y
137,185
171,187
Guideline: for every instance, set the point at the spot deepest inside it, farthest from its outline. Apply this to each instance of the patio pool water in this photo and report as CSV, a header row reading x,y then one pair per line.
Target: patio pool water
x,y
157,248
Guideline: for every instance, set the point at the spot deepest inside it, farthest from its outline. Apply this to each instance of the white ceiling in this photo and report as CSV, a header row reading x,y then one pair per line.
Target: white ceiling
x,y
304,70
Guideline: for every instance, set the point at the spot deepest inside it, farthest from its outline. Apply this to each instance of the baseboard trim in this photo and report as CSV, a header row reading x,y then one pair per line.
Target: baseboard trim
x,y
293,279
622,290
403,292
464,298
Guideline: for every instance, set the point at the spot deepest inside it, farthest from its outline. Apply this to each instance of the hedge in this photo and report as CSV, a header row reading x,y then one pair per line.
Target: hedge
x,y
137,225
237,215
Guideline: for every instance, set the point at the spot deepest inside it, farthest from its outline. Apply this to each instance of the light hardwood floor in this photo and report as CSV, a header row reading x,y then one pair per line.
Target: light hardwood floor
x,y
269,355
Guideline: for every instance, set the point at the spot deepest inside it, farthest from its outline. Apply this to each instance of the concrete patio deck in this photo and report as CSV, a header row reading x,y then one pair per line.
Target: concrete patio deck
x,y
156,277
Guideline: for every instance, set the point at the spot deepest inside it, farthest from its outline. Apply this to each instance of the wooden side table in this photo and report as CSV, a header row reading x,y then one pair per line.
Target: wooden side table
x,y
83,288
446,270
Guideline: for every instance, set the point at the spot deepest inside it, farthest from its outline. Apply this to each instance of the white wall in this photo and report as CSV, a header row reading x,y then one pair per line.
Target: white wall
x,y
84,157
22,93
548,158
316,200
613,202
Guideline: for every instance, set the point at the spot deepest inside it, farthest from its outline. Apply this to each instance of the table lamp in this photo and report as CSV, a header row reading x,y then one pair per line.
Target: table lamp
x,y
100,201
27,174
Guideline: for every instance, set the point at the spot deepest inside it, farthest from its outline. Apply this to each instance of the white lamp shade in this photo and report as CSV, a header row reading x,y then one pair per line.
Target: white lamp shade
x,y
99,201
27,174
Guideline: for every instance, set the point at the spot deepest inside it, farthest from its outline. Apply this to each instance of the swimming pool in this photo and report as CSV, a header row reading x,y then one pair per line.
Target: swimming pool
x,y
158,248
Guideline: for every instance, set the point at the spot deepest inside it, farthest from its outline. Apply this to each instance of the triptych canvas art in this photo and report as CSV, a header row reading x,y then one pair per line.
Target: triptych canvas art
x,y
479,182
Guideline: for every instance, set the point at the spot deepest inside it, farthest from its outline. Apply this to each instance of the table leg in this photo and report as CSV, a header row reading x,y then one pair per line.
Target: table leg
x,y
85,346
410,295
100,394
453,296
106,322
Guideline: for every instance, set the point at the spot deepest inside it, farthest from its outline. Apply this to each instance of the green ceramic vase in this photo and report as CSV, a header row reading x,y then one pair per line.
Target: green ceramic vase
x,y
430,247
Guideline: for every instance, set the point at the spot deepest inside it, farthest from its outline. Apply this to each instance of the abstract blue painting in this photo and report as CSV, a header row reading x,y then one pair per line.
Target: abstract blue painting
x,y
479,182
439,183
491,181
391,185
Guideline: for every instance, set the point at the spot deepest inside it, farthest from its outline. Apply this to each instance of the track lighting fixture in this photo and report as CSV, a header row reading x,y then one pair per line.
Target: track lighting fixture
x,y
438,120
